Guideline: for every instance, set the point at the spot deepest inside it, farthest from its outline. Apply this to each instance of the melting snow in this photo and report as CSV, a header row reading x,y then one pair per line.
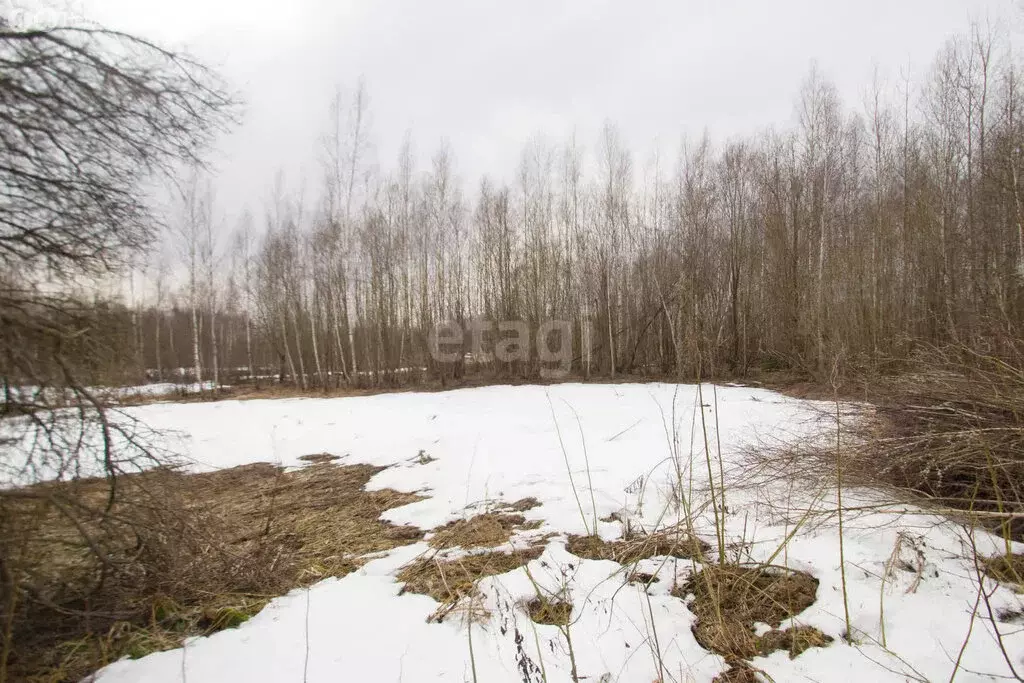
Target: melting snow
x,y
501,444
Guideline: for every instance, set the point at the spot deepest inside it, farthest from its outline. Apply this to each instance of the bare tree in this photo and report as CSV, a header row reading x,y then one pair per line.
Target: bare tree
x,y
87,117
195,245
208,257
242,256
860,231
159,299
616,176
819,119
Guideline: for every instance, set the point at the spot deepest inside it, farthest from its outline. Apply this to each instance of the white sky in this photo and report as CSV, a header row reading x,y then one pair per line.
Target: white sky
x,y
488,75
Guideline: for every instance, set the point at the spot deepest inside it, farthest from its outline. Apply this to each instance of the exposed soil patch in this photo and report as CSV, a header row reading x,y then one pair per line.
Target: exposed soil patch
x,y
202,552
628,551
482,531
448,581
549,611
730,599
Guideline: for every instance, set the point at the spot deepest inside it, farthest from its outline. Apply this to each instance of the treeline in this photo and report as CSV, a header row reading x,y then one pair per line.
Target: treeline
x,y
854,234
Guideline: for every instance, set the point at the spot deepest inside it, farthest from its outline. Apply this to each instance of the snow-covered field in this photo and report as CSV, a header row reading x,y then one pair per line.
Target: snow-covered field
x,y
503,444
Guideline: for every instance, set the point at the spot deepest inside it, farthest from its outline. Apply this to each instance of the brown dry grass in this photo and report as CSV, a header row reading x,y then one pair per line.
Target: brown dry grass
x,y
954,435
319,516
635,548
450,580
730,599
482,531
319,458
642,578
522,505
795,640
550,611
738,672
193,553
1005,568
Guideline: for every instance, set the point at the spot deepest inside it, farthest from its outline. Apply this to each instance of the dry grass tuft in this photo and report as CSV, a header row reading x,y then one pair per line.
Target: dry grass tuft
x,y
1005,568
730,599
198,553
482,531
543,610
630,550
522,505
794,640
738,672
642,578
448,581
319,457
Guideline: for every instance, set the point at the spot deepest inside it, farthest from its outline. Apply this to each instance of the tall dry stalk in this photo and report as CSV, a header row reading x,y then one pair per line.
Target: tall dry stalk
x,y
839,502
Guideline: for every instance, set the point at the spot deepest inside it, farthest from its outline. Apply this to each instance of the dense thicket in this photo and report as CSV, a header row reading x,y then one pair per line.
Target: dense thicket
x,y
855,233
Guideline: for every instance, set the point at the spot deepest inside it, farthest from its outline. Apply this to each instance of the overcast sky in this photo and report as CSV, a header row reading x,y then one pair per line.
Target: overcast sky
x,y
488,75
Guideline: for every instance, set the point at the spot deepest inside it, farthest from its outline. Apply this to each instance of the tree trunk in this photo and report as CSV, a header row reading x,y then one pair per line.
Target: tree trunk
x,y
197,363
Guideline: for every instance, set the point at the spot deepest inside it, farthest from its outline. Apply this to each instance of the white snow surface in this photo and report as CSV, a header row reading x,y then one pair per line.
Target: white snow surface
x,y
154,389
501,444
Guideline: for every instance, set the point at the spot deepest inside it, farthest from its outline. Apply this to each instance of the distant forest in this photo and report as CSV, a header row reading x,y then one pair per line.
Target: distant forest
x,y
848,238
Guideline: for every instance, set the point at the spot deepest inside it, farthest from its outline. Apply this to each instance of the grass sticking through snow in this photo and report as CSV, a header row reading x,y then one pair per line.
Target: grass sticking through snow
x,y
642,578
730,599
319,458
794,640
205,552
522,505
738,672
635,548
450,580
1005,568
550,611
482,531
